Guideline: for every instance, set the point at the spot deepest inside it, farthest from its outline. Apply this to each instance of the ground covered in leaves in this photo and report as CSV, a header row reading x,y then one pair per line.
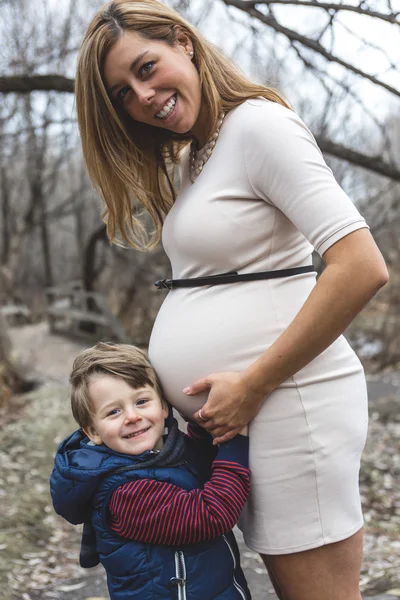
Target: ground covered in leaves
x,y
38,550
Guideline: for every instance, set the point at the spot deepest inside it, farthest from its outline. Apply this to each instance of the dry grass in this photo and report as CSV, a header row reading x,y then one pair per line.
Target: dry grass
x,y
31,536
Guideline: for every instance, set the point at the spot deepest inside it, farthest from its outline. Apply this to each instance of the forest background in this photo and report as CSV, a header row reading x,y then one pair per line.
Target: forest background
x,y
337,62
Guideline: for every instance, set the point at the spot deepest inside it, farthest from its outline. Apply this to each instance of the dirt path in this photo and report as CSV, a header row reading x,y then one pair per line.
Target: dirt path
x,y
38,550
50,357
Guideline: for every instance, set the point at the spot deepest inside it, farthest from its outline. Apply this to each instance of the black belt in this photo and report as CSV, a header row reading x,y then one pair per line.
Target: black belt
x,y
231,277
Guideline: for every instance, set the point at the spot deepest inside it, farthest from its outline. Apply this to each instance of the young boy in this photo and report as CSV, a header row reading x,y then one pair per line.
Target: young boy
x,y
162,504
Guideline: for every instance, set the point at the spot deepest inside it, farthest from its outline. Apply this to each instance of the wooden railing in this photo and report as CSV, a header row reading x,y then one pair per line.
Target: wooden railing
x,y
72,310
16,314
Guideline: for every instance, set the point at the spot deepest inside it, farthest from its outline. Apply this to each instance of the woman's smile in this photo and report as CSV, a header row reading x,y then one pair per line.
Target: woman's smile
x,y
155,83
168,109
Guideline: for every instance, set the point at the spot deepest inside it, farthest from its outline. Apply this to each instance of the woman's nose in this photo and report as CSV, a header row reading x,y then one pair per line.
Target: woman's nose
x,y
144,93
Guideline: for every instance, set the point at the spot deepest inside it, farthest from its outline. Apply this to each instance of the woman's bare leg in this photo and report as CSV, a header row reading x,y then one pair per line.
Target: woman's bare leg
x,y
273,580
331,572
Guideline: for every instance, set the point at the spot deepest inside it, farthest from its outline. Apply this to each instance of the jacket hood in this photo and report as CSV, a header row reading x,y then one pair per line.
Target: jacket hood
x,y
78,469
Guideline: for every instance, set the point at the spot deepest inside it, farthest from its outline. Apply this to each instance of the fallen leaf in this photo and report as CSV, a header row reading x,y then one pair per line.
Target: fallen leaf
x,y
71,588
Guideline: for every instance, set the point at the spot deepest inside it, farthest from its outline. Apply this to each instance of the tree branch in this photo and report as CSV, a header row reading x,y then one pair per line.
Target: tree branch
x,y
270,20
372,163
43,83
320,74
331,6
17,133
25,84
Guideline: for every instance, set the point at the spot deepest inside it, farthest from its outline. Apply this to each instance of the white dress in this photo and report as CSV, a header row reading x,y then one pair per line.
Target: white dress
x,y
264,200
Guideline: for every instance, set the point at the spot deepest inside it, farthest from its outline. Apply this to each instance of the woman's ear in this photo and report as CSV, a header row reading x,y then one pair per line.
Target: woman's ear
x,y
183,39
92,434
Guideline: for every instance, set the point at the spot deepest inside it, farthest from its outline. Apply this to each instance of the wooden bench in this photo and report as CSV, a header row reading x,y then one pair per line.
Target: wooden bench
x,y
74,315
16,314
73,311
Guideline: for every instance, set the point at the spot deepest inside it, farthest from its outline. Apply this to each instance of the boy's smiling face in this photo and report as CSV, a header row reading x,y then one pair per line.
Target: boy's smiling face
x,y
126,419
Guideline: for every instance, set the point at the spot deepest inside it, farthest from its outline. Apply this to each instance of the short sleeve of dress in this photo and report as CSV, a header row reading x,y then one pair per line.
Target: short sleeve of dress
x,y
286,168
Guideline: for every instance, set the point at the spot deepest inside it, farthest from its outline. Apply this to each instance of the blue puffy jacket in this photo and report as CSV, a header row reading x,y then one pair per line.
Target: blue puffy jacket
x,y
83,480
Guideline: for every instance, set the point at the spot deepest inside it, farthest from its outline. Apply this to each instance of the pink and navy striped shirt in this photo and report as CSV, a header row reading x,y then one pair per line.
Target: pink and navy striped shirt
x,y
156,512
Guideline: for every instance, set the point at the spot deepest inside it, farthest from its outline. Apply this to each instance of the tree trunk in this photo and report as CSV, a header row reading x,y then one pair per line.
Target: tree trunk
x,y
89,270
11,379
89,258
5,217
44,234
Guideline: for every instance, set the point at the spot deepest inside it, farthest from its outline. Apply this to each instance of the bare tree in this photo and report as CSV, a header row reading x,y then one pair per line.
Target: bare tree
x,y
39,140
315,48
49,226
265,12
8,378
12,377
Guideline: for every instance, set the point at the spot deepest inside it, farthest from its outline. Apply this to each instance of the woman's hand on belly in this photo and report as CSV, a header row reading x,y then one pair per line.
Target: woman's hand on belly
x,y
230,405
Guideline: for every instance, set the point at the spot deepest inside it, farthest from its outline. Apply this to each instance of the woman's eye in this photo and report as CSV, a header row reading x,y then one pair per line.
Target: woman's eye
x,y
146,68
120,97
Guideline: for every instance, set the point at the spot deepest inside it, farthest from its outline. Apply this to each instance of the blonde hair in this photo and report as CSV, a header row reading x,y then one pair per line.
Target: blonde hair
x,y
119,360
131,163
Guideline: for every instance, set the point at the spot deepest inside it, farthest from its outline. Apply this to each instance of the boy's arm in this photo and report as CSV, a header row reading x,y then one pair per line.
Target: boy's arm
x,y
203,441
197,432
155,512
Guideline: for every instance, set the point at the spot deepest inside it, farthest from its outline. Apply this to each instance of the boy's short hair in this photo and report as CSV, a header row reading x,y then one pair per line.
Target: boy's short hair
x,y
119,360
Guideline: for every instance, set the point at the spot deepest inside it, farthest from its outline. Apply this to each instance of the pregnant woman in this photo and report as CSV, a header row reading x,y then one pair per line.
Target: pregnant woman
x,y
158,104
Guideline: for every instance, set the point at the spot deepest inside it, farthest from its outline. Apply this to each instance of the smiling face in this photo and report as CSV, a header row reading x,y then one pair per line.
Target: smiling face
x,y
156,83
126,420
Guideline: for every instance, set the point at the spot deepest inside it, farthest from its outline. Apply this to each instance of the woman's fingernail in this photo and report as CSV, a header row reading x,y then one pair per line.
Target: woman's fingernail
x,y
186,390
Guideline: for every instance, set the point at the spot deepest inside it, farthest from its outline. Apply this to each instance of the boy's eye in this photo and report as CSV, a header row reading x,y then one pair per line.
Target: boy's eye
x,y
114,411
146,68
142,401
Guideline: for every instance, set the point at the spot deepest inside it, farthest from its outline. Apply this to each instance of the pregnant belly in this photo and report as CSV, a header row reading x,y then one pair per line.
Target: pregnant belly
x,y
202,331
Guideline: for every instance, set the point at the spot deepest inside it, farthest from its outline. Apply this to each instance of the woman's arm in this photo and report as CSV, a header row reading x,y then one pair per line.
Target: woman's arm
x,y
355,271
157,512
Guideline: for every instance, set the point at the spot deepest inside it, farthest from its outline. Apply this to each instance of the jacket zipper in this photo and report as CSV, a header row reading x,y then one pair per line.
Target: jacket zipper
x,y
235,583
180,570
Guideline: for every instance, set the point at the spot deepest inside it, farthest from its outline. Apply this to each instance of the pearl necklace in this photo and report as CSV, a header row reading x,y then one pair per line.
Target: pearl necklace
x,y
197,160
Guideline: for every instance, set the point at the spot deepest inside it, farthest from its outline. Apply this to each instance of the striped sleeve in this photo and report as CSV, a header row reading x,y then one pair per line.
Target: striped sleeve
x,y
155,512
198,433
203,441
